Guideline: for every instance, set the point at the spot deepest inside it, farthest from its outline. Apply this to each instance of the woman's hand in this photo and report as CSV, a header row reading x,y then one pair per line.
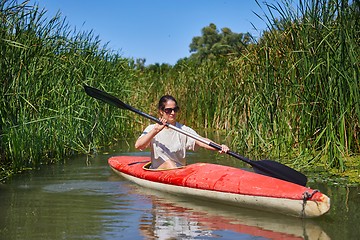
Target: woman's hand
x,y
158,127
224,149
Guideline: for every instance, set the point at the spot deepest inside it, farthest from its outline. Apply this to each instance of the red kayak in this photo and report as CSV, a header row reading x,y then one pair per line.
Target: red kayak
x,y
227,185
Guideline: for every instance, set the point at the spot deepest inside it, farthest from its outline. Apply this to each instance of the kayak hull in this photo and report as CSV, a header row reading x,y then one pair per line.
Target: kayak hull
x,y
228,185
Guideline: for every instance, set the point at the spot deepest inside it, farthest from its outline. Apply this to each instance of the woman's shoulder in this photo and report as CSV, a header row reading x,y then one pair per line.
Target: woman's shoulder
x,y
179,125
184,127
148,128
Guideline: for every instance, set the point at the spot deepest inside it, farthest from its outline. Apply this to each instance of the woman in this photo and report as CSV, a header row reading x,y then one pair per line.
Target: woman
x,y
168,147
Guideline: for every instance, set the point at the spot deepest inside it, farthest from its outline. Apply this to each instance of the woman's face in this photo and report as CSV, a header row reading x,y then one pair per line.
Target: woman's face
x,y
169,111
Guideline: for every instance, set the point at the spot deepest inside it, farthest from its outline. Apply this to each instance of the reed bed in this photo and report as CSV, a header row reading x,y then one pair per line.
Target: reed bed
x,y
45,114
312,65
293,95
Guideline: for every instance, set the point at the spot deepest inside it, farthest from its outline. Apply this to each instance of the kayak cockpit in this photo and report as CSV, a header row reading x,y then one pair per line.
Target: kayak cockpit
x,y
147,167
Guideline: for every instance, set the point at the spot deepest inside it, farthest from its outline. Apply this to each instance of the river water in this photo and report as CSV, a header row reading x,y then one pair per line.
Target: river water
x,y
84,199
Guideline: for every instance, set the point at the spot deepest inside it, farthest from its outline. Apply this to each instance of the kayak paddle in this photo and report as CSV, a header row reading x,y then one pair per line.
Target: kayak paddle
x,y
264,167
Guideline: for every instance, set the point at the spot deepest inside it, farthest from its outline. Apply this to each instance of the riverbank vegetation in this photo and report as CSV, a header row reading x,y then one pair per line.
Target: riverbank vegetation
x,y
292,94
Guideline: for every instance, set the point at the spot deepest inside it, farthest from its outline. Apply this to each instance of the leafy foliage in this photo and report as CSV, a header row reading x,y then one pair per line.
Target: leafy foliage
x,y
212,43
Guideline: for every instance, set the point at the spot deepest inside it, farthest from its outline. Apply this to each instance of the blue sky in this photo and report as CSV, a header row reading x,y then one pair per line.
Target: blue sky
x,y
158,30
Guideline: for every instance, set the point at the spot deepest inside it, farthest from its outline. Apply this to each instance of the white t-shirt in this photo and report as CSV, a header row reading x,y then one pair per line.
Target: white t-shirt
x,y
170,144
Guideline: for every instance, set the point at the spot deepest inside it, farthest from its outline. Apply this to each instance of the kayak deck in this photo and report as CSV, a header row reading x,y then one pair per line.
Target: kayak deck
x,y
226,184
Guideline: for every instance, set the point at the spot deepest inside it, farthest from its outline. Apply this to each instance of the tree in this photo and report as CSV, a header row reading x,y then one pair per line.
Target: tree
x,y
213,43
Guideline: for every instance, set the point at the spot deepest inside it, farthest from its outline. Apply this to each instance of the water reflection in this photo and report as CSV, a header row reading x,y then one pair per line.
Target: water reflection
x,y
84,199
173,217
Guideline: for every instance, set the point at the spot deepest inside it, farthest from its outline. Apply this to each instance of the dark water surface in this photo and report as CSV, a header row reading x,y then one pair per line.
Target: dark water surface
x,y
84,199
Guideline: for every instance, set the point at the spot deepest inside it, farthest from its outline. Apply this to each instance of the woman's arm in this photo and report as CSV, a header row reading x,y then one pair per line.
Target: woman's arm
x,y
144,141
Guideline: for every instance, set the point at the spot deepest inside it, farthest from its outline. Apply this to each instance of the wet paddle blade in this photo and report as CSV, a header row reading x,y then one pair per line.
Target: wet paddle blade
x,y
275,169
271,168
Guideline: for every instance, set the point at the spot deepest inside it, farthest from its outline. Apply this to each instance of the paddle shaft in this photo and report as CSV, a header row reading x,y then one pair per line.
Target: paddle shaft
x,y
265,167
212,144
196,137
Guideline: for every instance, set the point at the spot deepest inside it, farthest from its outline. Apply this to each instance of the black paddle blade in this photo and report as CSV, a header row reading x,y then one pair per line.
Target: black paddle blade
x,y
105,97
274,169
271,168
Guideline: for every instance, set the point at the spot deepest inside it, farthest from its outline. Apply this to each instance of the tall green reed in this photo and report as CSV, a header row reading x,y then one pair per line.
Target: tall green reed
x,y
321,42
45,114
293,95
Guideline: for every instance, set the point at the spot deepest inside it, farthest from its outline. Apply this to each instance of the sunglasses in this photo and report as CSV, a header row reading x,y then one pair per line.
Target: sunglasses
x,y
169,110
